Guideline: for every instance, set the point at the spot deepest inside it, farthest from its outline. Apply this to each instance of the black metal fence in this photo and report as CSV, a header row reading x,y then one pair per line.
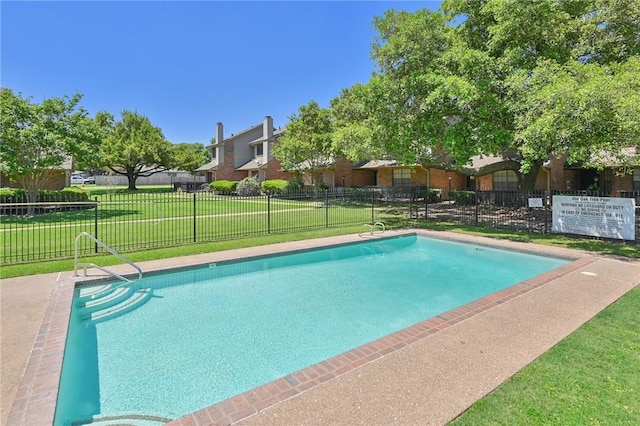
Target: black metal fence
x,y
48,229
131,222
495,209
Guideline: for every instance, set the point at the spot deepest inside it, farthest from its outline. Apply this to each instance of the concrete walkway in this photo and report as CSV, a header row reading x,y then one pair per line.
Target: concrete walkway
x,y
430,381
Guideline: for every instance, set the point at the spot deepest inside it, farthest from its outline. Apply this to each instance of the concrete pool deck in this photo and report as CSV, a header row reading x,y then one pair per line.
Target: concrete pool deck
x,y
428,375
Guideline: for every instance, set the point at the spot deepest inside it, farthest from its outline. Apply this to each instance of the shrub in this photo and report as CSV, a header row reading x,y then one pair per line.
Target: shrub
x,y
67,194
74,194
223,186
274,186
463,197
9,195
362,195
433,195
248,187
295,184
19,195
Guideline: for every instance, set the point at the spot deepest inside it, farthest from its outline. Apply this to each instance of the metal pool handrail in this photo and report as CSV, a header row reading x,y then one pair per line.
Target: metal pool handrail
x,y
110,250
372,227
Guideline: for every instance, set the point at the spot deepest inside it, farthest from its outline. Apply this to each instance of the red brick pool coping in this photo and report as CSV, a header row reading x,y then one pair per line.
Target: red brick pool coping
x,y
35,400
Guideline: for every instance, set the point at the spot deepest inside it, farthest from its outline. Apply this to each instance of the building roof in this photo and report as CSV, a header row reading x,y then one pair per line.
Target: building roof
x,y
252,164
377,164
211,165
235,135
261,139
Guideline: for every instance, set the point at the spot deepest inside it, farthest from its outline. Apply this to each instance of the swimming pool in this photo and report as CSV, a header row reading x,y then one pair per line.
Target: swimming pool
x,y
263,319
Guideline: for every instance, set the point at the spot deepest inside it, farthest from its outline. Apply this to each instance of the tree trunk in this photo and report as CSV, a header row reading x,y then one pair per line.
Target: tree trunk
x,y
131,178
31,184
527,183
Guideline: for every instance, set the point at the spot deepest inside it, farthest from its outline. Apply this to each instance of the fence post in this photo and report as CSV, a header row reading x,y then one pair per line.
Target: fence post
x,y
194,217
546,215
95,224
476,202
268,213
373,203
326,207
426,203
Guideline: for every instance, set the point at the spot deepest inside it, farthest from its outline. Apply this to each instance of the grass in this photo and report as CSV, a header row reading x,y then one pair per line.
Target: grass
x,y
590,378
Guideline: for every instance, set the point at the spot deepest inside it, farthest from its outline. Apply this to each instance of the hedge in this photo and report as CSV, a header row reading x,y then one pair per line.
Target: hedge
x,y
19,195
223,186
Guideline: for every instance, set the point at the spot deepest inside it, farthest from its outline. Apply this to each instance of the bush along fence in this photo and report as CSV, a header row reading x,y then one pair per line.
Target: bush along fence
x,y
126,222
47,229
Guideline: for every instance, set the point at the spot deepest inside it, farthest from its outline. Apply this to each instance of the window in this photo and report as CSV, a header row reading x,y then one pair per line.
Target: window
x,y
505,180
214,153
636,179
401,177
259,150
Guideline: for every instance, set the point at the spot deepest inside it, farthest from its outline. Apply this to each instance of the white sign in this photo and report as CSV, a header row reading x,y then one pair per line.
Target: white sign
x,y
596,216
535,202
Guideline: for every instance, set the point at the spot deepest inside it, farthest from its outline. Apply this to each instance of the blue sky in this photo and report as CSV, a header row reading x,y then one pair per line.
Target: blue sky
x,y
188,65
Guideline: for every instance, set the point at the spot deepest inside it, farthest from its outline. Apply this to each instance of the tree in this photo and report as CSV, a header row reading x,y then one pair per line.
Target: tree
x,y
307,142
496,76
190,156
36,139
588,112
135,148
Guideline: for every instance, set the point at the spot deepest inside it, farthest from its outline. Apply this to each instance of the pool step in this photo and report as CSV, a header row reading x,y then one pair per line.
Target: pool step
x,y
93,292
132,419
104,302
135,299
108,299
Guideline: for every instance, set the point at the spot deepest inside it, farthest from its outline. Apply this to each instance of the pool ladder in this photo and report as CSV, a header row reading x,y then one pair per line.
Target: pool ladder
x,y
378,226
93,265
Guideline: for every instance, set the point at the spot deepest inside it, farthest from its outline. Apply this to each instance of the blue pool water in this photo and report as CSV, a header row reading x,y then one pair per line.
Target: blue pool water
x,y
174,343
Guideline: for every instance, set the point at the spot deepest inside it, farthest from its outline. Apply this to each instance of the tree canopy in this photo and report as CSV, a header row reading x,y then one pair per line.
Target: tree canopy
x,y
190,156
134,147
36,139
307,142
544,79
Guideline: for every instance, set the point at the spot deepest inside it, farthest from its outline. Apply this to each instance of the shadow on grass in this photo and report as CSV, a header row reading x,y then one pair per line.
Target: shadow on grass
x,y
67,217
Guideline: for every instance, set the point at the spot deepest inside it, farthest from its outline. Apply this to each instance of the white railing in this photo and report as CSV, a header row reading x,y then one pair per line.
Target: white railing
x,y
378,226
93,265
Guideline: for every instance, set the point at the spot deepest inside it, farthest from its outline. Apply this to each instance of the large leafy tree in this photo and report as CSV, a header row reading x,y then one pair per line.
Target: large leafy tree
x,y
134,148
306,145
538,79
37,138
190,156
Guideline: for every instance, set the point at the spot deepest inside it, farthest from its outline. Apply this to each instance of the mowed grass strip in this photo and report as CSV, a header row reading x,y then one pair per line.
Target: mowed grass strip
x,y
590,378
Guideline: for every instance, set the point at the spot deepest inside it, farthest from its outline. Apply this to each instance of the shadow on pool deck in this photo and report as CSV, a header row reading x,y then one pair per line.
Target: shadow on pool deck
x,y
430,380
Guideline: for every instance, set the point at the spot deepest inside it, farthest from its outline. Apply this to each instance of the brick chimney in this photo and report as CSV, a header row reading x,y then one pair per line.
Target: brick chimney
x,y
267,134
219,140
